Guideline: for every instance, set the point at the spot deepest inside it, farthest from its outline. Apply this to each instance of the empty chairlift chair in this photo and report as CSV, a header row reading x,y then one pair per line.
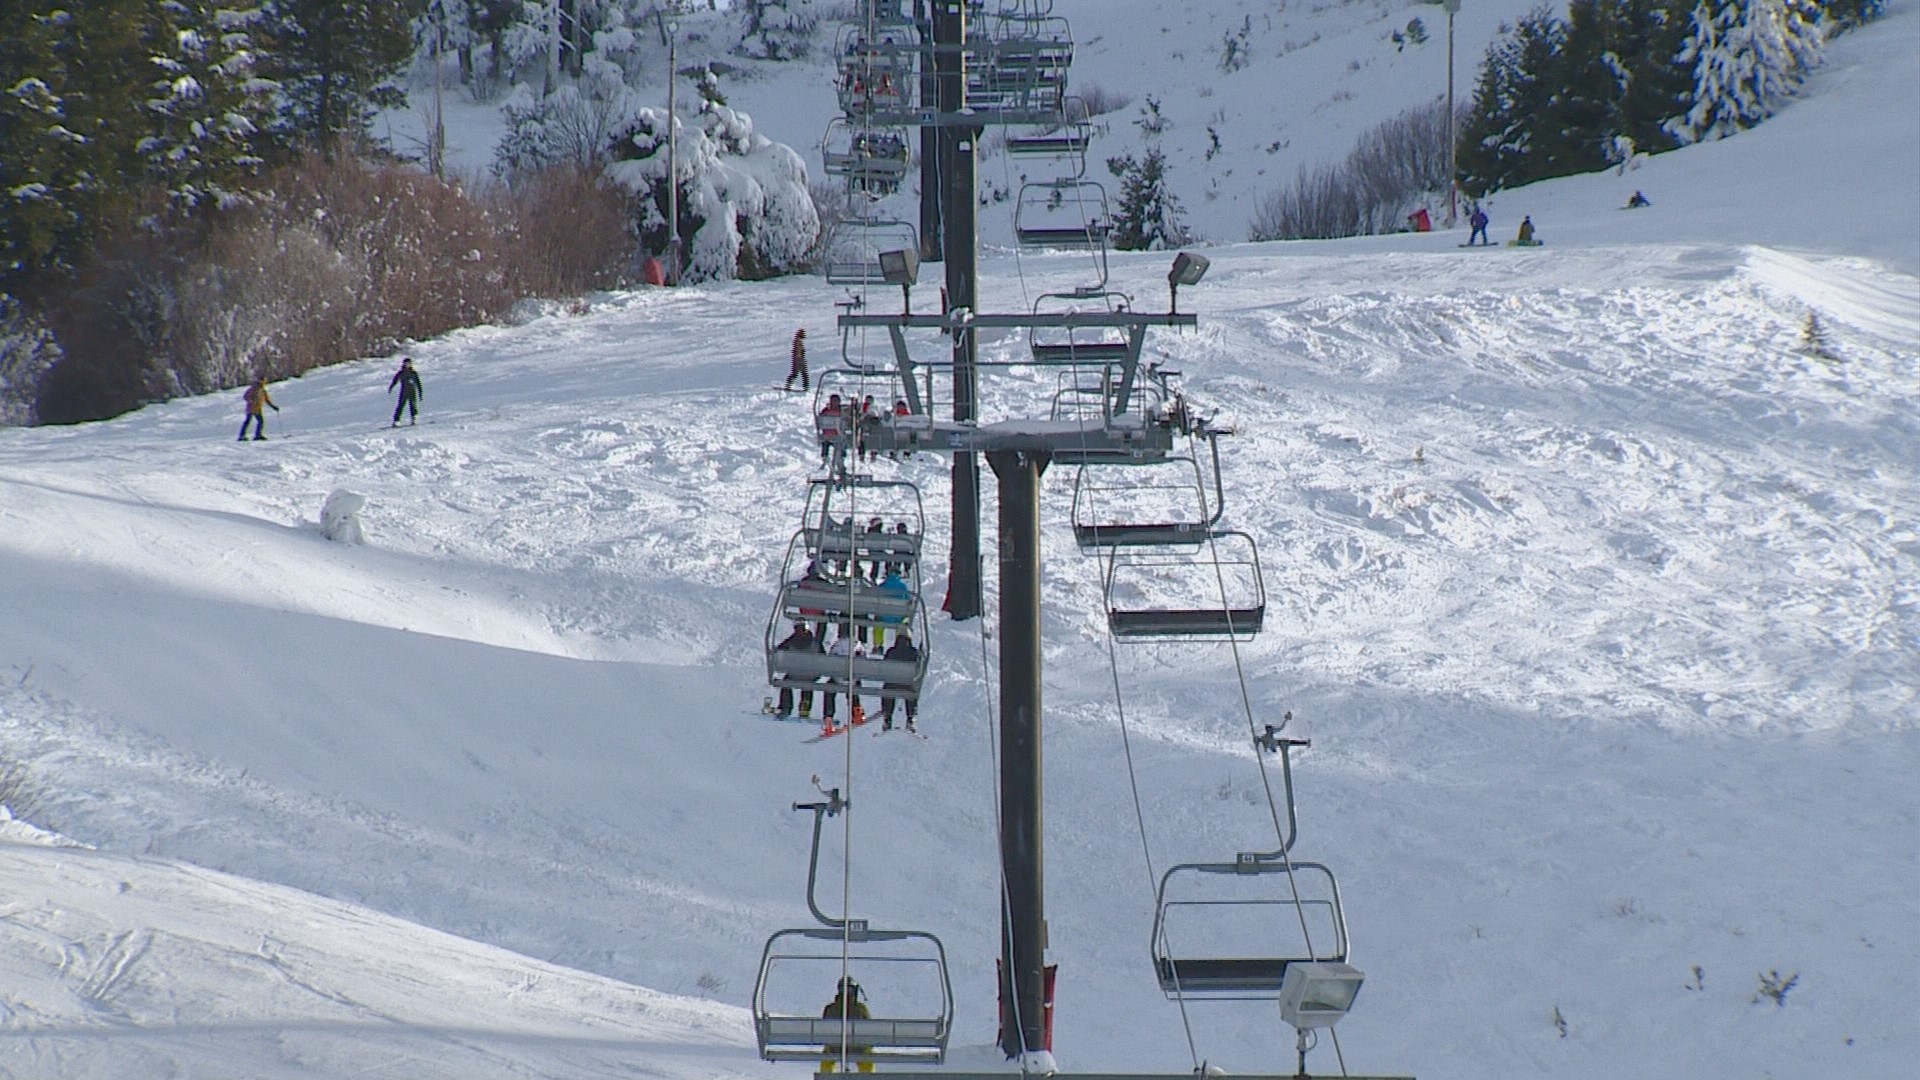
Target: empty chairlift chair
x,y
1065,213
1161,593
854,246
1066,137
1230,930
1119,506
1089,343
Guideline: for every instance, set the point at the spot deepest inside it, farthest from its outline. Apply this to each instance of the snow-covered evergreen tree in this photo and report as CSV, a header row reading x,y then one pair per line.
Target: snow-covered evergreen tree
x,y
206,105
744,207
1149,215
777,29
1748,58
69,87
1517,86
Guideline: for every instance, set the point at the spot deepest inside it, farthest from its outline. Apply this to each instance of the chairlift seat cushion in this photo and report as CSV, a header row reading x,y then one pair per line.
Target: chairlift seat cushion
x,y
1186,623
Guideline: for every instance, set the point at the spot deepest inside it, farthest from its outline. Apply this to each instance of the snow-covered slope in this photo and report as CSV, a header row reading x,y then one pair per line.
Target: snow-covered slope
x,y
1595,594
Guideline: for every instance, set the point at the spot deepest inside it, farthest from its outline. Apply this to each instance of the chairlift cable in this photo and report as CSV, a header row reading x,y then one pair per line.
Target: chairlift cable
x,y
1253,733
1126,745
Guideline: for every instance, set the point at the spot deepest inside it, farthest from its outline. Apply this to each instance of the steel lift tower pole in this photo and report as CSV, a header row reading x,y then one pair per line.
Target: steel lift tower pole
x,y
1023,919
957,178
932,247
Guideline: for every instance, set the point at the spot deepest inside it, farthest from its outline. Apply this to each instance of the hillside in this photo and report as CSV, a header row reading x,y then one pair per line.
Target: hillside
x,y
1593,590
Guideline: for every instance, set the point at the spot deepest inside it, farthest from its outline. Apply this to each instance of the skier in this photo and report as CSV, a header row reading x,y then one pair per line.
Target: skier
x,y
843,648
1479,223
892,587
846,1005
258,401
864,419
1637,201
1526,232
828,423
801,640
797,361
901,649
408,380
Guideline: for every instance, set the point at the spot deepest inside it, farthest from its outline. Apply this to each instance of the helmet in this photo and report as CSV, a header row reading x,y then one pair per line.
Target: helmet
x,y
848,987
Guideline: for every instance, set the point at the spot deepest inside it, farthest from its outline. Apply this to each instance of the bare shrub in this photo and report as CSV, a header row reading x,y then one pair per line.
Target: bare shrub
x,y
18,792
1100,101
1389,169
571,233
340,259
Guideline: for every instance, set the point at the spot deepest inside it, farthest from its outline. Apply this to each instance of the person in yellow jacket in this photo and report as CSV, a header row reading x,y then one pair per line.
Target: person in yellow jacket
x,y
258,402
846,1005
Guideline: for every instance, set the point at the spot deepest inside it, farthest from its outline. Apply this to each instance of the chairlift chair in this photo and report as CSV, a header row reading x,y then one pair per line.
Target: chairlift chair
x,y
1067,137
897,504
1063,213
1198,611
854,245
872,159
1146,511
876,74
824,598
903,974
1091,344
1228,931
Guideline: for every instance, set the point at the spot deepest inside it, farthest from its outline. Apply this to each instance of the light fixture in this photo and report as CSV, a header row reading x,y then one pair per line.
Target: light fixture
x,y
1188,269
1315,994
901,268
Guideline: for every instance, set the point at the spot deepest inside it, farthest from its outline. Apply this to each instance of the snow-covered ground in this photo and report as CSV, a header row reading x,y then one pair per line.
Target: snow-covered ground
x,y
1596,595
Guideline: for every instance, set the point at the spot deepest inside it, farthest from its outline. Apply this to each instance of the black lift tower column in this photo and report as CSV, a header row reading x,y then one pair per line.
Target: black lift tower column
x,y
957,142
1023,920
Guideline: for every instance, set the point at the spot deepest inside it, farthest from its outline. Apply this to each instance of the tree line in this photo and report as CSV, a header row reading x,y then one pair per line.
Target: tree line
x,y
191,193
1558,96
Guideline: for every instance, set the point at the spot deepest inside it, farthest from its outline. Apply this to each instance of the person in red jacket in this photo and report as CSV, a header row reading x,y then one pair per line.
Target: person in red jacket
x,y
797,361
828,424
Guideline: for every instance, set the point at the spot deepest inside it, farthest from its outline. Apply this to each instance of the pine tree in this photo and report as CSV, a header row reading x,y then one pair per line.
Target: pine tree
x,y
205,107
1815,341
68,163
1747,58
1516,86
1149,215
336,62
777,29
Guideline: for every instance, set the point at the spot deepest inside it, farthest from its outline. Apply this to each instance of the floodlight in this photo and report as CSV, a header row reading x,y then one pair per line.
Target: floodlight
x,y
1188,269
1318,993
900,267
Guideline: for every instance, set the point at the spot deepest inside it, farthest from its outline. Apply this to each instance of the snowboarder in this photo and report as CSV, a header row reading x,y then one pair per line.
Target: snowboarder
x,y
801,640
797,361
258,401
1479,222
1525,239
408,380
846,1005
901,649
1637,201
